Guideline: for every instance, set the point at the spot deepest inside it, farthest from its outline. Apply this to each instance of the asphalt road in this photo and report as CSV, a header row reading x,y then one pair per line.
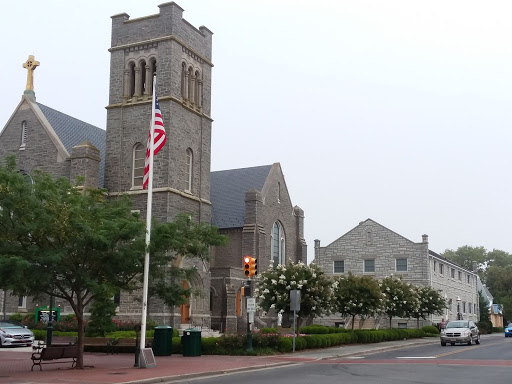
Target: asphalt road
x,y
489,362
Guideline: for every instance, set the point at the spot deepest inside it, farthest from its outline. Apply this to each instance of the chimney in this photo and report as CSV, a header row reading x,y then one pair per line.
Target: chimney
x,y
425,238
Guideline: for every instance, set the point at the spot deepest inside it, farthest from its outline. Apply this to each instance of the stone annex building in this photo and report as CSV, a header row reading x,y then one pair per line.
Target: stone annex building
x,y
374,250
252,205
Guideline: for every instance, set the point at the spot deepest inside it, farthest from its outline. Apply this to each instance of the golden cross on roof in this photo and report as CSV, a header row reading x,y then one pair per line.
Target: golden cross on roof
x,y
31,64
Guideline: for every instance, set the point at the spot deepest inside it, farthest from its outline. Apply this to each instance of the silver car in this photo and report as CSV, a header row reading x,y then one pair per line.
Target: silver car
x,y
13,333
460,331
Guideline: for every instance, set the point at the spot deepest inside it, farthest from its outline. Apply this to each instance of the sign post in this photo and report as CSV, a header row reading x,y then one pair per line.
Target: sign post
x,y
251,308
294,306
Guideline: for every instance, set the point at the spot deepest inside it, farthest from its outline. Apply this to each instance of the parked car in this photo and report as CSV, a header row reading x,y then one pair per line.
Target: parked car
x,y
508,330
460,331
13,333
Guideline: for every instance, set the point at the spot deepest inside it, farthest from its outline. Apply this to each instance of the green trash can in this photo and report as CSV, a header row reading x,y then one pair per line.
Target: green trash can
x,y
191,341
162,341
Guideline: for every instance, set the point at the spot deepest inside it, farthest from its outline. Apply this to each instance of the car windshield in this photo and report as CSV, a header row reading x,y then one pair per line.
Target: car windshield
x,y
457,324
509,325
8,324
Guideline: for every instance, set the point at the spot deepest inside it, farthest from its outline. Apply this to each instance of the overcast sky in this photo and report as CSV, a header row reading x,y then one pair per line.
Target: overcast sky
x,y
398,111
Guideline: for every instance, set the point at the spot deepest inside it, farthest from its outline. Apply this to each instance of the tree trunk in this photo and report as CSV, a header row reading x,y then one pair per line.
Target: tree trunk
x,y
353,319
418,322
390,317
80,358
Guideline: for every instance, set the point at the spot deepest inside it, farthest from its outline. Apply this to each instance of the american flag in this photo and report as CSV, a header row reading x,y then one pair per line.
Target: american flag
x,y
159,139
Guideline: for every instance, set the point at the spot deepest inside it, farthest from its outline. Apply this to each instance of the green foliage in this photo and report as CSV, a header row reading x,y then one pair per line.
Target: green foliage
x,y
356,295
79,243
103,310
466,255
268,330
484,308
16,317
275,283
314,329
428,301
399,298
485,327
498,329
430,329
285,344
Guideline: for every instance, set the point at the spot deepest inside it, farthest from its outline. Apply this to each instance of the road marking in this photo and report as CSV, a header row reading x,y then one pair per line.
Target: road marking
x,y
354,357
416,357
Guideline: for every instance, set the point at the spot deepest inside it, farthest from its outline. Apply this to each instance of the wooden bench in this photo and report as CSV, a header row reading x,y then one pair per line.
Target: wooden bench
x,y
98,344
47,355
127,344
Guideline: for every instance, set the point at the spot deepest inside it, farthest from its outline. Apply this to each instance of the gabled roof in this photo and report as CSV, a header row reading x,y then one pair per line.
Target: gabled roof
x,y
72,131
227,193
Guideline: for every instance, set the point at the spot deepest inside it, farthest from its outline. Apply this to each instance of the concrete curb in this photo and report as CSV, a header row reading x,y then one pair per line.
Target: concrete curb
x,y
172,379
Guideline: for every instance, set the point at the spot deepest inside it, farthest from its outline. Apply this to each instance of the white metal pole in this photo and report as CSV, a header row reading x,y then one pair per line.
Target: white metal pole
x,y
148,223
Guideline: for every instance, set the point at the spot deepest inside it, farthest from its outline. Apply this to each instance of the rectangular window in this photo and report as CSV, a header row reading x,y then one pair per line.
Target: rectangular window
x,y
469,307
339,266
401,265
469,279
441,269
22,302
117,298
453,273
402,325
474,308
139,158
463,307
460,275
435,262
369,265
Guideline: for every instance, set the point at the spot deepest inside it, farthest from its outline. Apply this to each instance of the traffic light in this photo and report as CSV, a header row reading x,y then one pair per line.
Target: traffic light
x,y
250,266
247,265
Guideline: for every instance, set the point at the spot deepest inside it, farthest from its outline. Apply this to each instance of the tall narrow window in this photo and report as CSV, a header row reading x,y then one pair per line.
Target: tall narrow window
x,y
143,80
23,134
278,192
191,85
197,92
183,81
278,243
139,156
22,302
131,79
188,170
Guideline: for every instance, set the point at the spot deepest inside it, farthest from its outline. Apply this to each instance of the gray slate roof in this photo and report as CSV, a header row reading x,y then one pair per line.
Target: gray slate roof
x,y
72,131
227,193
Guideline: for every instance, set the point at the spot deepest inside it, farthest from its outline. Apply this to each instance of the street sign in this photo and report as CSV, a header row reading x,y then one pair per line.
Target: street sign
x,y
251,317
295,300
251,304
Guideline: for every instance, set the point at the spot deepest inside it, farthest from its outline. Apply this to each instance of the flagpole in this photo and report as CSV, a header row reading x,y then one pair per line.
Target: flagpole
x,y
148,224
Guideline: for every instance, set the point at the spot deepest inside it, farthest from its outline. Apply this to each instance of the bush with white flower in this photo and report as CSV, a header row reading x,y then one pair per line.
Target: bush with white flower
x,y
400,298
274,286
356,295
429,302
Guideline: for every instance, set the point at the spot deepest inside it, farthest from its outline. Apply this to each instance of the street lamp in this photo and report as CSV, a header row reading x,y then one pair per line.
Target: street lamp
x,y
459,315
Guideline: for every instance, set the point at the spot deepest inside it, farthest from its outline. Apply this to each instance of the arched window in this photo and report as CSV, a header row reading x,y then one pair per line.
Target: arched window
x,y
188,170
131,79
191,85
278,244
143,80
23,134
152,66
184,79
197,91
139,156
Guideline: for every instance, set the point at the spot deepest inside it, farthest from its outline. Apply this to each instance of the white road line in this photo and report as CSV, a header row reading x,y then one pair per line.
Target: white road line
x,y
415,357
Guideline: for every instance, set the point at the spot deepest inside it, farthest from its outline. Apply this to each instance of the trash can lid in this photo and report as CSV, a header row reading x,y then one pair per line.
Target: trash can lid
x,y
163,327
193,330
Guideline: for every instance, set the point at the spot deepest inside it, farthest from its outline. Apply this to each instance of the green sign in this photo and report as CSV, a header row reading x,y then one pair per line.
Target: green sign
x,y
43,314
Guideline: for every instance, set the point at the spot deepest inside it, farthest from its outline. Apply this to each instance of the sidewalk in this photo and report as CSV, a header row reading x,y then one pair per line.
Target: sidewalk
x,y
116,369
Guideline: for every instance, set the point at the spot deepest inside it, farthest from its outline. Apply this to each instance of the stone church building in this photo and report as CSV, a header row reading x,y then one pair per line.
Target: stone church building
x,y
251,206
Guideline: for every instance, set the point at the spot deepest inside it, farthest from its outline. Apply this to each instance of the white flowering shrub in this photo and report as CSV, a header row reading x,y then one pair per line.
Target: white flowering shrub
x,y
399,299
274,285
429,301
356,295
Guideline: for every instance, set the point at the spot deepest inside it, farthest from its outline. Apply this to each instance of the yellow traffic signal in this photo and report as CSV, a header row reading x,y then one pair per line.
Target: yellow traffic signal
x,y
250,266
247,265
